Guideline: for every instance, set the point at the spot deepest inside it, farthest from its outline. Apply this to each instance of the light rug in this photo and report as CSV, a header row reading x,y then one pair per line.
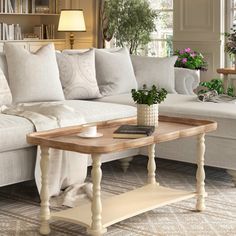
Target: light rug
x,y
19,204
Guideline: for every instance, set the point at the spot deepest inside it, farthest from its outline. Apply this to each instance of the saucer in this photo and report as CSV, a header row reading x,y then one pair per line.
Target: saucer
x,y
84,135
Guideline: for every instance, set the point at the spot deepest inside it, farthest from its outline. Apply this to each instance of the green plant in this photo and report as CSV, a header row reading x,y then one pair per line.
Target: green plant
x,y
130,22
216,84
149,97
230,45
190,59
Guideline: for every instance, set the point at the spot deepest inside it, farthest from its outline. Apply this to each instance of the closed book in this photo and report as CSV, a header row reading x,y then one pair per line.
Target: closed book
x,y
133,131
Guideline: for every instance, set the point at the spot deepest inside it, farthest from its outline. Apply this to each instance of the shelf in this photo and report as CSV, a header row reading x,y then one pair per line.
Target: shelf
x,y
124,206
29,14
32,40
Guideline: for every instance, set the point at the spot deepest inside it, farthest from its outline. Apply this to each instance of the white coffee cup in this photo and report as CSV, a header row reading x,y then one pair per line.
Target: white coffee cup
x,y
90,130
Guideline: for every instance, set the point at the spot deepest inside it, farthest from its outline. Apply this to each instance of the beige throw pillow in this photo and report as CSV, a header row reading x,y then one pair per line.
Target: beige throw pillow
x,y
5,93
78,75
115,74
33,77
154,70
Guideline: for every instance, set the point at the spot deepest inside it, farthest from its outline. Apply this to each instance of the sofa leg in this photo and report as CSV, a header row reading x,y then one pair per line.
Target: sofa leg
x,y
233,174
125,163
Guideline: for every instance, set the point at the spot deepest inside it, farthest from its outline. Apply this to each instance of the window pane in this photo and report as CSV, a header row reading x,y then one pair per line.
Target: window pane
x,y
161,4
160,48
164,26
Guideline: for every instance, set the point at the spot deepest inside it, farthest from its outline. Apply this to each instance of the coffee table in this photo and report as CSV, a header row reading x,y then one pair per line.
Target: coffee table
x,y
100,214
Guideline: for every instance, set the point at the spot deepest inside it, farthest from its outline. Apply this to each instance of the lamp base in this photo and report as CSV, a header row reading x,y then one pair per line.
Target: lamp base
x,y
72,40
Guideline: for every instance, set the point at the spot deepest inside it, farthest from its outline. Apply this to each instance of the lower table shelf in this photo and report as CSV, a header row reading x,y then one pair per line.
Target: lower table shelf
x,y
126,205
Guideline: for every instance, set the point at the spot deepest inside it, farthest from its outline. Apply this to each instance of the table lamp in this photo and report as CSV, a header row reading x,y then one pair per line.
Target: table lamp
x,y
72,21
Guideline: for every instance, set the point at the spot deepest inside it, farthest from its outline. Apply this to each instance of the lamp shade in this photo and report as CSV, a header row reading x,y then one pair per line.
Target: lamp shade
x,y
71,20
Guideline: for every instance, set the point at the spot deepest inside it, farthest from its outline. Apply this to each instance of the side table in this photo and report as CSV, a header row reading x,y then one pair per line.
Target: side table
x,y
226,72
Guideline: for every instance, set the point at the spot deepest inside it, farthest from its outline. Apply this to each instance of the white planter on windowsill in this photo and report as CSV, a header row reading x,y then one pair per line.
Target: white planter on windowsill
x,y
147,115
190,80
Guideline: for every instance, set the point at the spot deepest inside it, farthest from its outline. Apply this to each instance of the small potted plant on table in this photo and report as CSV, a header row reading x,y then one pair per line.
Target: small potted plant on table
x,y
147,104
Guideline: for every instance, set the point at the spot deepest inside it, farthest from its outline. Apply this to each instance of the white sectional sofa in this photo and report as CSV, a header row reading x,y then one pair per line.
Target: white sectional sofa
x,y
17,158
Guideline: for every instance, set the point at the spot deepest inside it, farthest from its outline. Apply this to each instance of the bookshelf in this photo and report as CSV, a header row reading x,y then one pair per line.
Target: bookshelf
x,y
31,23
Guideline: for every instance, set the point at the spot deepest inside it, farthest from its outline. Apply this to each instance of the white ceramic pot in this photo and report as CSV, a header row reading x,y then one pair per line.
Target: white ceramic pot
x,y
186,80
147,115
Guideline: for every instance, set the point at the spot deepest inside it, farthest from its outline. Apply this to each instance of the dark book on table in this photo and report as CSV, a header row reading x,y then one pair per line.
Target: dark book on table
x,y
133,131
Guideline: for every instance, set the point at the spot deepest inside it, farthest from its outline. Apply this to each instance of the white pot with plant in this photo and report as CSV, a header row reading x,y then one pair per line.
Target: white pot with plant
x,y
147,104
187,67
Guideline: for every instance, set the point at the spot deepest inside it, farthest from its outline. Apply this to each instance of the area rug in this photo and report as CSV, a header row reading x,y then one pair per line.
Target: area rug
x,y
19,204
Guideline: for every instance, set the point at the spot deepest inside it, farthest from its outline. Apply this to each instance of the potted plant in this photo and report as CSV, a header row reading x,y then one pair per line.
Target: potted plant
x,y
192,61
147,104
129,22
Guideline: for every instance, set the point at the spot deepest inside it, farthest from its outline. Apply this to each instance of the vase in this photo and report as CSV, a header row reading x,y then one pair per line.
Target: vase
x,y
147,115
186,80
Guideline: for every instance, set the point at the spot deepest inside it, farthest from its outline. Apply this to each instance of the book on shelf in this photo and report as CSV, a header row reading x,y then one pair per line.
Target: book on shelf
x,y
133,131
45,31
28,6
10,32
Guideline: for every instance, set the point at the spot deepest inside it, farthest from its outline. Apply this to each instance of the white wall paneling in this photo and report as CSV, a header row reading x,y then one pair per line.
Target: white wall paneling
x,y
198,25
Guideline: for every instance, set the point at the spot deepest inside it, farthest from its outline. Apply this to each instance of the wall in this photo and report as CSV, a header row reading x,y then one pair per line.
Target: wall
x,y
199,24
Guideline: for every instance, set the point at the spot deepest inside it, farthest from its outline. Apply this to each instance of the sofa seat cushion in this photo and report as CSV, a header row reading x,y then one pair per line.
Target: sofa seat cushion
x,y
13,129
187,106
93,111
125,99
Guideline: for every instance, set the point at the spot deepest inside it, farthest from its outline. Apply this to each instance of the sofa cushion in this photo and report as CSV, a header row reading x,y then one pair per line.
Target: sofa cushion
x,y
78,75
13,129
153,70
115,74
5,93
33,76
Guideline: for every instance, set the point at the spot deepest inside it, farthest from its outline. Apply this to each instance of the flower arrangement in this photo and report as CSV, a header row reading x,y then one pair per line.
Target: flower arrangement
x,y
149,97
230,45
190,59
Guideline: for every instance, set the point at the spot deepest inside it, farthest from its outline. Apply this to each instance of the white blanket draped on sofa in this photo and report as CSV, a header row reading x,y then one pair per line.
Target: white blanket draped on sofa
x,y
66,168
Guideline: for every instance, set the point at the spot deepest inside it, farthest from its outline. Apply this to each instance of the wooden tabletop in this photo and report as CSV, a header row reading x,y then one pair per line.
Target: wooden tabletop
x,y
226,71
169,128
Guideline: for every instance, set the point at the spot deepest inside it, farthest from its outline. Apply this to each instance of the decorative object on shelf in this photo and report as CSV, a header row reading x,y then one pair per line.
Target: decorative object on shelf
x,y
230,45
190,59
216,85
72,21
135,33
147,104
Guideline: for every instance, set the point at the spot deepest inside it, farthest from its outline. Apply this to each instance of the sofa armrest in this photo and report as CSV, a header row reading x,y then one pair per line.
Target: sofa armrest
x,y
186,80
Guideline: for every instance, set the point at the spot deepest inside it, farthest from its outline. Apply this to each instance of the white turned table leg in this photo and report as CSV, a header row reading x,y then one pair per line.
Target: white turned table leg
x,y
44,193
125,163
151,164
200,206
96,207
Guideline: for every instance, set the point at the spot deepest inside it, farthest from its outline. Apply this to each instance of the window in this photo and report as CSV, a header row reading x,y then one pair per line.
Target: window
x,y
161,44
230,21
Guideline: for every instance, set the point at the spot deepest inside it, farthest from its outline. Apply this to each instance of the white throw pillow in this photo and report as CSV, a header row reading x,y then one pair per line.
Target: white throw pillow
x,y
115,74
33,77
78,75
5,93
153,70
